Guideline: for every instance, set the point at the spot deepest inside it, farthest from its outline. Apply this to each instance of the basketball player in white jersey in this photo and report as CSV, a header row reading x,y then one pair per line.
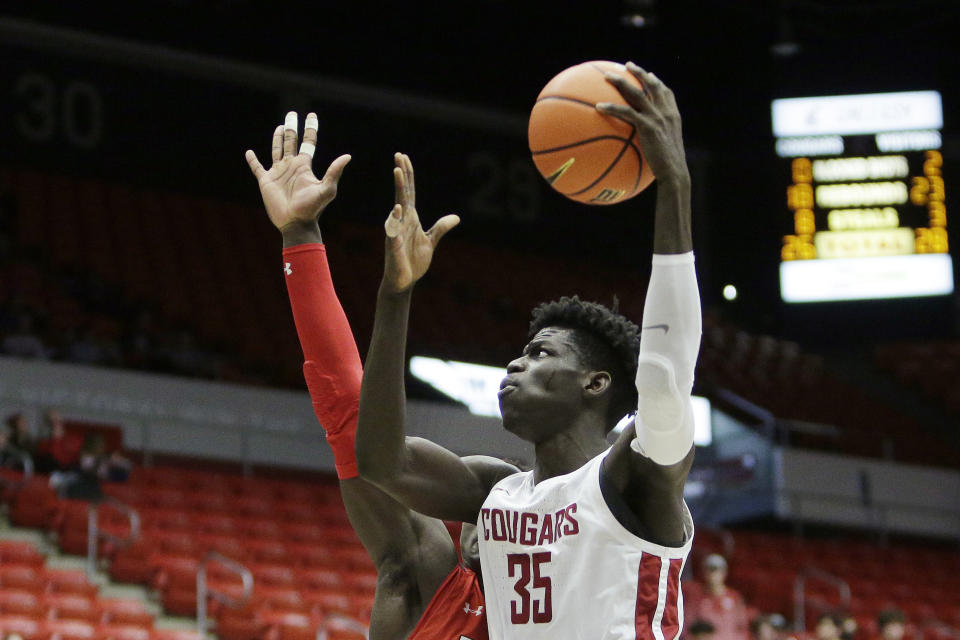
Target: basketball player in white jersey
x,y
590,544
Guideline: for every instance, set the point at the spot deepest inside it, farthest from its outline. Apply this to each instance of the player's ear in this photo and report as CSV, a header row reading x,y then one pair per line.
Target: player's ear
x,y
598,382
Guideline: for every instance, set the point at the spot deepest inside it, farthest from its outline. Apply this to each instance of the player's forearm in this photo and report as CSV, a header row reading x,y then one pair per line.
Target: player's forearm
x,y
670,335
297,232
331,365
672,232
669,344
380,428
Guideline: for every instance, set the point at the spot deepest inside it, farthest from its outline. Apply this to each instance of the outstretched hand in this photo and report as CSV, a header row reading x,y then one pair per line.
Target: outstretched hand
x,y
653,112
409,249
291,192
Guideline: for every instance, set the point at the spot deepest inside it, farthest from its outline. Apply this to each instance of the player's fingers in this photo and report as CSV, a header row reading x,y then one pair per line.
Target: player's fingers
x,y
442,226
335,170
651,83
621,111
310,126
276,147
634,95
290,135
398,183
255,165
394,224
408,183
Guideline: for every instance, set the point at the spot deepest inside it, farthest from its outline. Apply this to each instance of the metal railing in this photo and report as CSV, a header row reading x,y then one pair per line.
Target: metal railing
x,y
94,534
341,623
800,596
203,591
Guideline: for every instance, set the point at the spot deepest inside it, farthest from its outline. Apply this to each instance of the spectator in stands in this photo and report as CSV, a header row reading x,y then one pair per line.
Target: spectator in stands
x,y
848,627
186,357
88,348
701,630
891,623
827,627
60,451
717,603
24,342
763,628
20,435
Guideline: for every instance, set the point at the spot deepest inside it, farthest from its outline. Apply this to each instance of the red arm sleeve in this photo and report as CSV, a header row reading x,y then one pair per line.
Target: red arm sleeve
x,y
331,365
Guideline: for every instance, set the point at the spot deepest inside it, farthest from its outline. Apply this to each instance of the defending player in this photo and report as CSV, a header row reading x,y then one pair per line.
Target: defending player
x,y
423,588
591,543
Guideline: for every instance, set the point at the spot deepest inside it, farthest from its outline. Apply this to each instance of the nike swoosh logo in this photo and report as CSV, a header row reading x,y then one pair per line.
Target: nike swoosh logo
x,y
665,327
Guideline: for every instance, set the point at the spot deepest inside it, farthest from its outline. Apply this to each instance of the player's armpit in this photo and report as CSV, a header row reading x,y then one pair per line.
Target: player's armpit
x,y
436,482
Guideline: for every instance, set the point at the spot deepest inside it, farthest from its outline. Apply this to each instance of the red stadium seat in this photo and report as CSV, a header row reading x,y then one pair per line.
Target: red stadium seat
x,y
170,569
131,563
320,579
123,612
284,598
275,575
312,555
29,628
14,602
360,581
174,634
227,544
290,625
267,551
328,601
22,553
24,577
70,581
240,624
34,505
72,606
122,632
69,629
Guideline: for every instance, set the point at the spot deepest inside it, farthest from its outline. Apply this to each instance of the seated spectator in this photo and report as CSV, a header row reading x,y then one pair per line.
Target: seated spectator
x,y
891,623
848,627
88,348
13,441
60,451
827,627
19,433
764,627
24,342
701,630
717,603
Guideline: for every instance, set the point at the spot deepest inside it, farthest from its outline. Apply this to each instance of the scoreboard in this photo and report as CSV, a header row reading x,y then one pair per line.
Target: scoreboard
x,y
864,209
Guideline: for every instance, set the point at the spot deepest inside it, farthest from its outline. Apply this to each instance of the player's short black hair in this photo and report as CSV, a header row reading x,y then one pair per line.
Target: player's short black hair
x,y
603,339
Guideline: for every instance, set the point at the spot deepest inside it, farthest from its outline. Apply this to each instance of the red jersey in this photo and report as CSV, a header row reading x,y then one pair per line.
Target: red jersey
x,y
456,611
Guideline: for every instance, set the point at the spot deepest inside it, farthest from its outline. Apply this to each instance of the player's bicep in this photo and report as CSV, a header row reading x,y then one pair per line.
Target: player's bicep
x,y
439,483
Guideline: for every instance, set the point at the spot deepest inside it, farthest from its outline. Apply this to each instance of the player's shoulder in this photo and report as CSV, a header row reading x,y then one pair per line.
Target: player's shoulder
x,y
489,469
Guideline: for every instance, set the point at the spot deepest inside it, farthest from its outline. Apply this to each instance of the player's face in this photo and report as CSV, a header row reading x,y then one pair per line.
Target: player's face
x,y
543,390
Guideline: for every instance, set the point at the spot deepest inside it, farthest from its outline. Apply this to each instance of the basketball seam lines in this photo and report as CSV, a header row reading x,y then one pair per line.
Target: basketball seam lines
x,y
604,174
592,105
578,143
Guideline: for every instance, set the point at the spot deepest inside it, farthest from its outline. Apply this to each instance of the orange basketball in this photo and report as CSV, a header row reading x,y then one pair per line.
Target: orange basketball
x,y
586,155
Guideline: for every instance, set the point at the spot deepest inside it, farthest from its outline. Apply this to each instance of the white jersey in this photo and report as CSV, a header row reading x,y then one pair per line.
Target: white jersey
x,y
558,565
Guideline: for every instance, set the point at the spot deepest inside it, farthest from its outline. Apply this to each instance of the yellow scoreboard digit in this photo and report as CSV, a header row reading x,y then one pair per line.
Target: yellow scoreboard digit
x,y
864,204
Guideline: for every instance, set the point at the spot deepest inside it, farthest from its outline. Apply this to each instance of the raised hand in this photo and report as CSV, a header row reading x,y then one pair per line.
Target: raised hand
x,y
291,192
409,249
653,112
